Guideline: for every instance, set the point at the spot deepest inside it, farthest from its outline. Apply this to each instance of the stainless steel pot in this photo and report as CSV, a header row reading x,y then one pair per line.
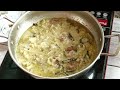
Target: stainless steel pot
x,y
83,17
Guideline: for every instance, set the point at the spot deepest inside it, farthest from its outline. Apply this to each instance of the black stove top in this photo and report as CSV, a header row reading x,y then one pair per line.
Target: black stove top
x,y
9,70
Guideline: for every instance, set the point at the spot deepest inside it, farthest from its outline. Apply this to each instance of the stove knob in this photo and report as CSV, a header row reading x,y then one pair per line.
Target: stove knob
x,y
98,13
105,15
92,12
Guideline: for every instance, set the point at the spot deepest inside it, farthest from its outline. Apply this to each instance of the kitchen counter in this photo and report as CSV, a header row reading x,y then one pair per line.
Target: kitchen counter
x,y
113,64
5,28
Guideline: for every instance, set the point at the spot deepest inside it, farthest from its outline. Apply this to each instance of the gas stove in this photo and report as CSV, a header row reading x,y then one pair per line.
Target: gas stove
x,y
9,70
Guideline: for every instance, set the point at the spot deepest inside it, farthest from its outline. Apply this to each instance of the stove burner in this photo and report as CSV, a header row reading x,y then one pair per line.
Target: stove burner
x,y
9,70
88,75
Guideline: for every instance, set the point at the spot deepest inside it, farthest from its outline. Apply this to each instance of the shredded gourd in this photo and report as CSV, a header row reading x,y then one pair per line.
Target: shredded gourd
x,y
56,47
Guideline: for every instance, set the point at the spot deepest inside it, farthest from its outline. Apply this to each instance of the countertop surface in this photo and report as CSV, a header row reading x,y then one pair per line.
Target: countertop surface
x,y
113,63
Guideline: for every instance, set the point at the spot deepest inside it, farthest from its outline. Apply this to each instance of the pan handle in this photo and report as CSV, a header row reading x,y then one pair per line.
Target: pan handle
x,y
4,43
118,48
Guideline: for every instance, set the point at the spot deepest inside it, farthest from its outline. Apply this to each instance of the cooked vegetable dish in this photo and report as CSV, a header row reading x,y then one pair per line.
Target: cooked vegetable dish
x,y
56,47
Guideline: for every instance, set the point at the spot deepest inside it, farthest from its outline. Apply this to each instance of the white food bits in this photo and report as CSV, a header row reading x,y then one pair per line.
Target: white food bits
x,y
32,40
44,45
